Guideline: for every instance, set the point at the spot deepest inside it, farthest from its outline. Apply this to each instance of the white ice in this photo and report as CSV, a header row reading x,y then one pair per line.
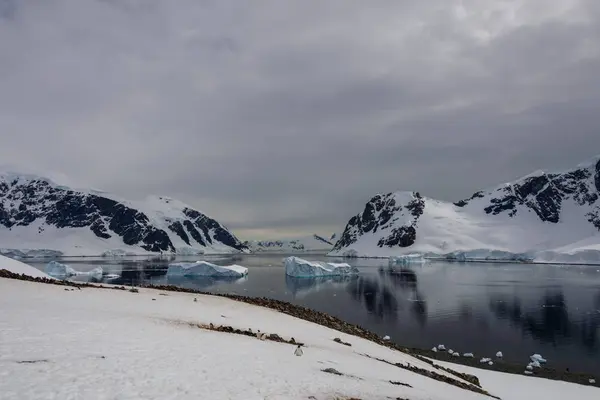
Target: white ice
x,y
63,271
538,358
203,268
407,259
299,268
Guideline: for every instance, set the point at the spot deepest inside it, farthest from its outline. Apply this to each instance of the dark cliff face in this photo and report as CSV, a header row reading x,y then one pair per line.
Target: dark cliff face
x,y
27,201
379,214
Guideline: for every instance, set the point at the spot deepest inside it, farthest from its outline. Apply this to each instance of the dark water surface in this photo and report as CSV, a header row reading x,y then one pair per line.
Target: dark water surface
x,y
519,309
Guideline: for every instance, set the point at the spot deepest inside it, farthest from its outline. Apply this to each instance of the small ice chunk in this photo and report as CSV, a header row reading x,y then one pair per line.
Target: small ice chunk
x,y
299,268
538,358
456,354
441,347
490,363
499,354
450,351
469,355
386,337
527,372
535,364
592,381
434,350
529,367
485,360
203,268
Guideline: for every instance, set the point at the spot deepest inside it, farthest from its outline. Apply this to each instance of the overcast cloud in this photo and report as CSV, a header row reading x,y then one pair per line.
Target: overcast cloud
x,y
285,117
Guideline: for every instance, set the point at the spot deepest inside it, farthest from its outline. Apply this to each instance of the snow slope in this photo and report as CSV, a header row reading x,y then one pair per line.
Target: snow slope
x,y
39,216
304,244
557,213
98,343
18,267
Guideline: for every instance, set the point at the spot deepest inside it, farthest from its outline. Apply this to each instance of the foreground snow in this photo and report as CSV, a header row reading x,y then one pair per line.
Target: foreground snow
x,y
102,343
20,268
203,268
300,268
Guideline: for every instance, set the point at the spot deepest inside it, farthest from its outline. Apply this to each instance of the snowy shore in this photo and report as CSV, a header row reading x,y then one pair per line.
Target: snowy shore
x,y
62,342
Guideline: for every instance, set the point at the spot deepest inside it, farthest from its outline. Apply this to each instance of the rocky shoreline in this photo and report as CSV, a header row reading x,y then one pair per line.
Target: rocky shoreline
x,y
329,321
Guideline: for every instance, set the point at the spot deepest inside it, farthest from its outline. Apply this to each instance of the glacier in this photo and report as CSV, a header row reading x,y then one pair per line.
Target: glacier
x,y
299,268
62,271
542,218
204,268
407,259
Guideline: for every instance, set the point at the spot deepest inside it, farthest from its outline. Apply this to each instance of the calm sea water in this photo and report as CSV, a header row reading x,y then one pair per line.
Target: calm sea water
x,y
483,308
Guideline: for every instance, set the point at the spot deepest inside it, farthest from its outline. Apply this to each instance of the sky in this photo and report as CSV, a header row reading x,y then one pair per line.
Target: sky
x,y
283,118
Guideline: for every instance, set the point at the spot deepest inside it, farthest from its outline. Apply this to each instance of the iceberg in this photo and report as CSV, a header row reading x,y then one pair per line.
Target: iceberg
x,y
63,271
204,268
300,268
407,259
351,253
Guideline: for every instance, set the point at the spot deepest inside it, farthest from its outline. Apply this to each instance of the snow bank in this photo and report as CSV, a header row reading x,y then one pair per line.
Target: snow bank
x,y
203,268
194,365
18,267
300,268
407,259
63,271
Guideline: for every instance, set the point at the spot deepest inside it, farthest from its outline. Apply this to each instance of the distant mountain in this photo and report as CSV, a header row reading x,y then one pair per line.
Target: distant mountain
x,y
37,215
303,244
553,212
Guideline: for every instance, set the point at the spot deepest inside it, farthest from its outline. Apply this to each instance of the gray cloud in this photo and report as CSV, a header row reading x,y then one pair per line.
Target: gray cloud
x,y
283,118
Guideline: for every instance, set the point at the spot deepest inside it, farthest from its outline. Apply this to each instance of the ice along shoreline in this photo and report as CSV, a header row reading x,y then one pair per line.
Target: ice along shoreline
x,y
331,322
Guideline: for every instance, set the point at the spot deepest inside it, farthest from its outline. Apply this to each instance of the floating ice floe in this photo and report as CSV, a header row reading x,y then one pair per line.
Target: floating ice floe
x,y
499,354
535,364
386,337
592,381
450,351
203,268
299,268
434,349
538,358
407,259
529,367
490,363
485,360
63,271
469,355
456,354
441,347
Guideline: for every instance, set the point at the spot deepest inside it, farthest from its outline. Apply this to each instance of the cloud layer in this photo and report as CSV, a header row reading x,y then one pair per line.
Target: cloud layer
x,y
282,118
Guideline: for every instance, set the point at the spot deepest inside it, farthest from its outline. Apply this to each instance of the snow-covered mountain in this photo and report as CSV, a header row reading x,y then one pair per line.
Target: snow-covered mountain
x,y
303,244
545,214
37,215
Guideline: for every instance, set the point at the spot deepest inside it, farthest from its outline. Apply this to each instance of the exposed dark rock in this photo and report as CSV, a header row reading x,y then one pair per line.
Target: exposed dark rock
x,y
403,236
